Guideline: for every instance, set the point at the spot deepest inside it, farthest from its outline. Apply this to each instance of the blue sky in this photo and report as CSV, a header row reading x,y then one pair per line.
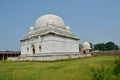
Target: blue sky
x,y
94,21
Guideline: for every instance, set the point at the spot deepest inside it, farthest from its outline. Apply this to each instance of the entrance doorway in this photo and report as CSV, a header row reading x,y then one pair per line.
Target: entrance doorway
x,y
40,49
33,49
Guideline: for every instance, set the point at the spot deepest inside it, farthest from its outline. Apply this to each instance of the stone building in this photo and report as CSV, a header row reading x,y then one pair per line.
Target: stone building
x,y
49,37
12,55
86,48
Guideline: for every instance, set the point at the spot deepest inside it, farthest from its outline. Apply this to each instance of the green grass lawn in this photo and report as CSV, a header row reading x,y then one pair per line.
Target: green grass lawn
x,y
78,69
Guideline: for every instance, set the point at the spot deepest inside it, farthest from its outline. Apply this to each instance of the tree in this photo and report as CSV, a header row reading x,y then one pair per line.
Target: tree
x,y
99,46
111,46
80,46
106,46
91,45
119,48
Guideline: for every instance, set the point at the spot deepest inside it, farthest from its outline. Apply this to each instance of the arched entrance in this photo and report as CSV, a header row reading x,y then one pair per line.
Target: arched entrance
x,y
40,49
33,49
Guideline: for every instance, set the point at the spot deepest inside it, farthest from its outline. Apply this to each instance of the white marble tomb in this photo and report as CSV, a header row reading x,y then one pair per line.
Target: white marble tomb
x,y
49,37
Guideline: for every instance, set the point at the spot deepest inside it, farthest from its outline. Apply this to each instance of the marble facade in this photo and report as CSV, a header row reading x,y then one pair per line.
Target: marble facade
x,y
49,36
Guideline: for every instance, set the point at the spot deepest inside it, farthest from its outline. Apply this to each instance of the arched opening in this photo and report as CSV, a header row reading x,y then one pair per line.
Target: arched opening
x,y
84,52
28,49
33,49
40,49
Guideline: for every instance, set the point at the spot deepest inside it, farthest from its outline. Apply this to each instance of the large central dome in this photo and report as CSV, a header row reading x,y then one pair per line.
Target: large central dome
x,y
49,19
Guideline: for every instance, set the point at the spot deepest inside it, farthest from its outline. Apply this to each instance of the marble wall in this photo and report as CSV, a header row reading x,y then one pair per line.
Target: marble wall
x,y
49,43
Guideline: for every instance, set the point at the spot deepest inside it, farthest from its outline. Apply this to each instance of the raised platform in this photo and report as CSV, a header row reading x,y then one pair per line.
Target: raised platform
x,y
50,56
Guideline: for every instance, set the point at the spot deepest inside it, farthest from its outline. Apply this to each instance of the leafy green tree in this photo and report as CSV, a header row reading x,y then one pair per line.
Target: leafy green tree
x,y
106,46
99,46
91,45
80,46
111,46
119,48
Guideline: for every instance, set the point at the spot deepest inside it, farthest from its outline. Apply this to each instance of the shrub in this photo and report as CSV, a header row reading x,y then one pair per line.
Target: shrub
x,y
100,74
117,77
117,67
7,61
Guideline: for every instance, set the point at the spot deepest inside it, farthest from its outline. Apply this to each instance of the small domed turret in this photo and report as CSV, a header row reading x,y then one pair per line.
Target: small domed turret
x,y
86,45
31,28
86,48
68,28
